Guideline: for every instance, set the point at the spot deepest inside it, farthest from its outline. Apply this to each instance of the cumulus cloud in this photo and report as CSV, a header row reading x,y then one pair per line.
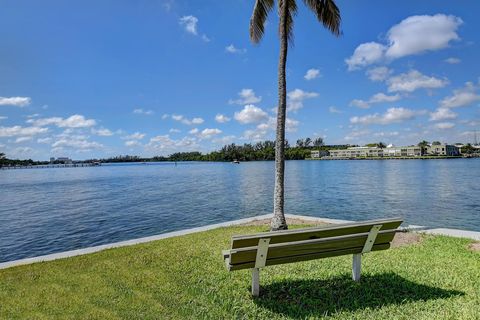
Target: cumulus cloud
x,y
75,121
21,131
232,49
442,114
3,117
250,114
296,97
142,111
376,98
103,132
444,125
461,97
365,54
78,143
193,131
15,101
312,74
189,23
209,133
132,143
184,120
413,35
378,73
392,115
22,139
173,130
135,136
221,118
413,80
163,144
246,96
452,60
333,109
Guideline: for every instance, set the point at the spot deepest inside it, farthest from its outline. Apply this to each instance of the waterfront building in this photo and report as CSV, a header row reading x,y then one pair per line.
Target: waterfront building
x,y
391,152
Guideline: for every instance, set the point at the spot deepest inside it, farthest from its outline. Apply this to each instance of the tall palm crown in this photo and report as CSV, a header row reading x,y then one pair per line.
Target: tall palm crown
x,y
328,14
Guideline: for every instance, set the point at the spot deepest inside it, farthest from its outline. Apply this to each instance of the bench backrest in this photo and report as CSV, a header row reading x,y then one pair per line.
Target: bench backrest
x,y
310,243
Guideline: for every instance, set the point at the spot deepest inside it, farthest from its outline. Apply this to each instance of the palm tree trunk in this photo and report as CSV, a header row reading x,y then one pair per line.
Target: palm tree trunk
x,y
278,220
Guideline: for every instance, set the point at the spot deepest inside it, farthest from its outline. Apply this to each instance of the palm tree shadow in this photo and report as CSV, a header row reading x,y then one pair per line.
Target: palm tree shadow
x,y
314,298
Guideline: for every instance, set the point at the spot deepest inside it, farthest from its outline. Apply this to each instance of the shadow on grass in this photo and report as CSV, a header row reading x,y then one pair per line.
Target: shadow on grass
x,y
307,298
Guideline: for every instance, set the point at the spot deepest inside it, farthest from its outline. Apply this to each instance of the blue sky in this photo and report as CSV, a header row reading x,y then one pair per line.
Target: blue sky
x,y
101,78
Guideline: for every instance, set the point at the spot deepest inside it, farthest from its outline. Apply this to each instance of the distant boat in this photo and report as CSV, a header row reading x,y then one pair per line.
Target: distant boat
x,y
236,161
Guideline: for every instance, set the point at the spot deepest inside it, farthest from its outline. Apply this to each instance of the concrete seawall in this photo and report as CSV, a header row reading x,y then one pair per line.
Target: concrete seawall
x,y
66,254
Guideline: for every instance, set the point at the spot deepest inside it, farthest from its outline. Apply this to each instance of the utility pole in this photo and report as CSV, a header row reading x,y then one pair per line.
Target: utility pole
x,y
475,138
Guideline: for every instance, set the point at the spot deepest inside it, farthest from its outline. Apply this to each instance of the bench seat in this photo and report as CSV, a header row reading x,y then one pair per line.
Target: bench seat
x,y
260,250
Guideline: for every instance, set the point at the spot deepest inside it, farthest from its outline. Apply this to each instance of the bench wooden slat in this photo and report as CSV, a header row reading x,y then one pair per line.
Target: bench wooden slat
x,y
314,232
305,257
244,255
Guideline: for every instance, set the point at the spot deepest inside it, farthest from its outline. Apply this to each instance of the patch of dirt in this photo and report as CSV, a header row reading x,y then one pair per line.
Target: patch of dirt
x,y
266,222
402,239
474,246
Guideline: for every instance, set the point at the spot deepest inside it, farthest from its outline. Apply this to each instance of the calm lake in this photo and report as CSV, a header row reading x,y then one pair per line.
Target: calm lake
x,y
44,211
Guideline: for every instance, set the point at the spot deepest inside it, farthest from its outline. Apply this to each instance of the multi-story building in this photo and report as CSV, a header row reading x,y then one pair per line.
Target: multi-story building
x,y
392,152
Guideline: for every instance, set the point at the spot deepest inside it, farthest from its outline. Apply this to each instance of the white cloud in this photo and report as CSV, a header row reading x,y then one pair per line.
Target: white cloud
x,y
3,117
359,104
392,115
182,119
173,130
232,49
250,114
190,24
15,101
103,132
163,144
376,98
413,35
209,133
132,143
296,97
44,140
220,118
75,121
21,131
193,131
461,97
378,73
355,134
23,139
312,74
141,111
442,114
413,80
246,96
224,140
333,109
444,125
78,143
418,34
165,116
135,136
365,54
452,60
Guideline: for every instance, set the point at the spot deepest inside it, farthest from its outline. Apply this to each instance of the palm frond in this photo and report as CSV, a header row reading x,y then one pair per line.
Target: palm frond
x,y
259,16
327,13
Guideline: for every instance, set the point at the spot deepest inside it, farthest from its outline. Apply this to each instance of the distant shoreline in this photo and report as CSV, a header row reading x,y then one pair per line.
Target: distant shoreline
x,y
396,158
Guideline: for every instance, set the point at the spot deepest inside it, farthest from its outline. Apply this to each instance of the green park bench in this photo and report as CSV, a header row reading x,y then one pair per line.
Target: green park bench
x,y
260,250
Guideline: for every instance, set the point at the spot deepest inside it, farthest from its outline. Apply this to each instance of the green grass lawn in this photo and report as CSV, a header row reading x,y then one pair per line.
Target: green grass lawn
x,y
185,278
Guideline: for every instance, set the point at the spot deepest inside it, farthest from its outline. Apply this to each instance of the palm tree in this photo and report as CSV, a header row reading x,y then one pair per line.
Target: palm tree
x,y
328,14
307,142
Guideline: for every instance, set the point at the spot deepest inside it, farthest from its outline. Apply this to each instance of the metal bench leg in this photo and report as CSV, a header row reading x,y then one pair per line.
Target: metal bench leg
x,y
356,266
255,282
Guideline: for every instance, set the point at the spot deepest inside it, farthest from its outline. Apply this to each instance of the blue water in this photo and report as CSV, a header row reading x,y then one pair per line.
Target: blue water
x,y
52,210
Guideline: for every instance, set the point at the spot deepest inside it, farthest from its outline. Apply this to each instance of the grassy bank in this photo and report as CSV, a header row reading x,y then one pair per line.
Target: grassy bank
x,y
185,278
